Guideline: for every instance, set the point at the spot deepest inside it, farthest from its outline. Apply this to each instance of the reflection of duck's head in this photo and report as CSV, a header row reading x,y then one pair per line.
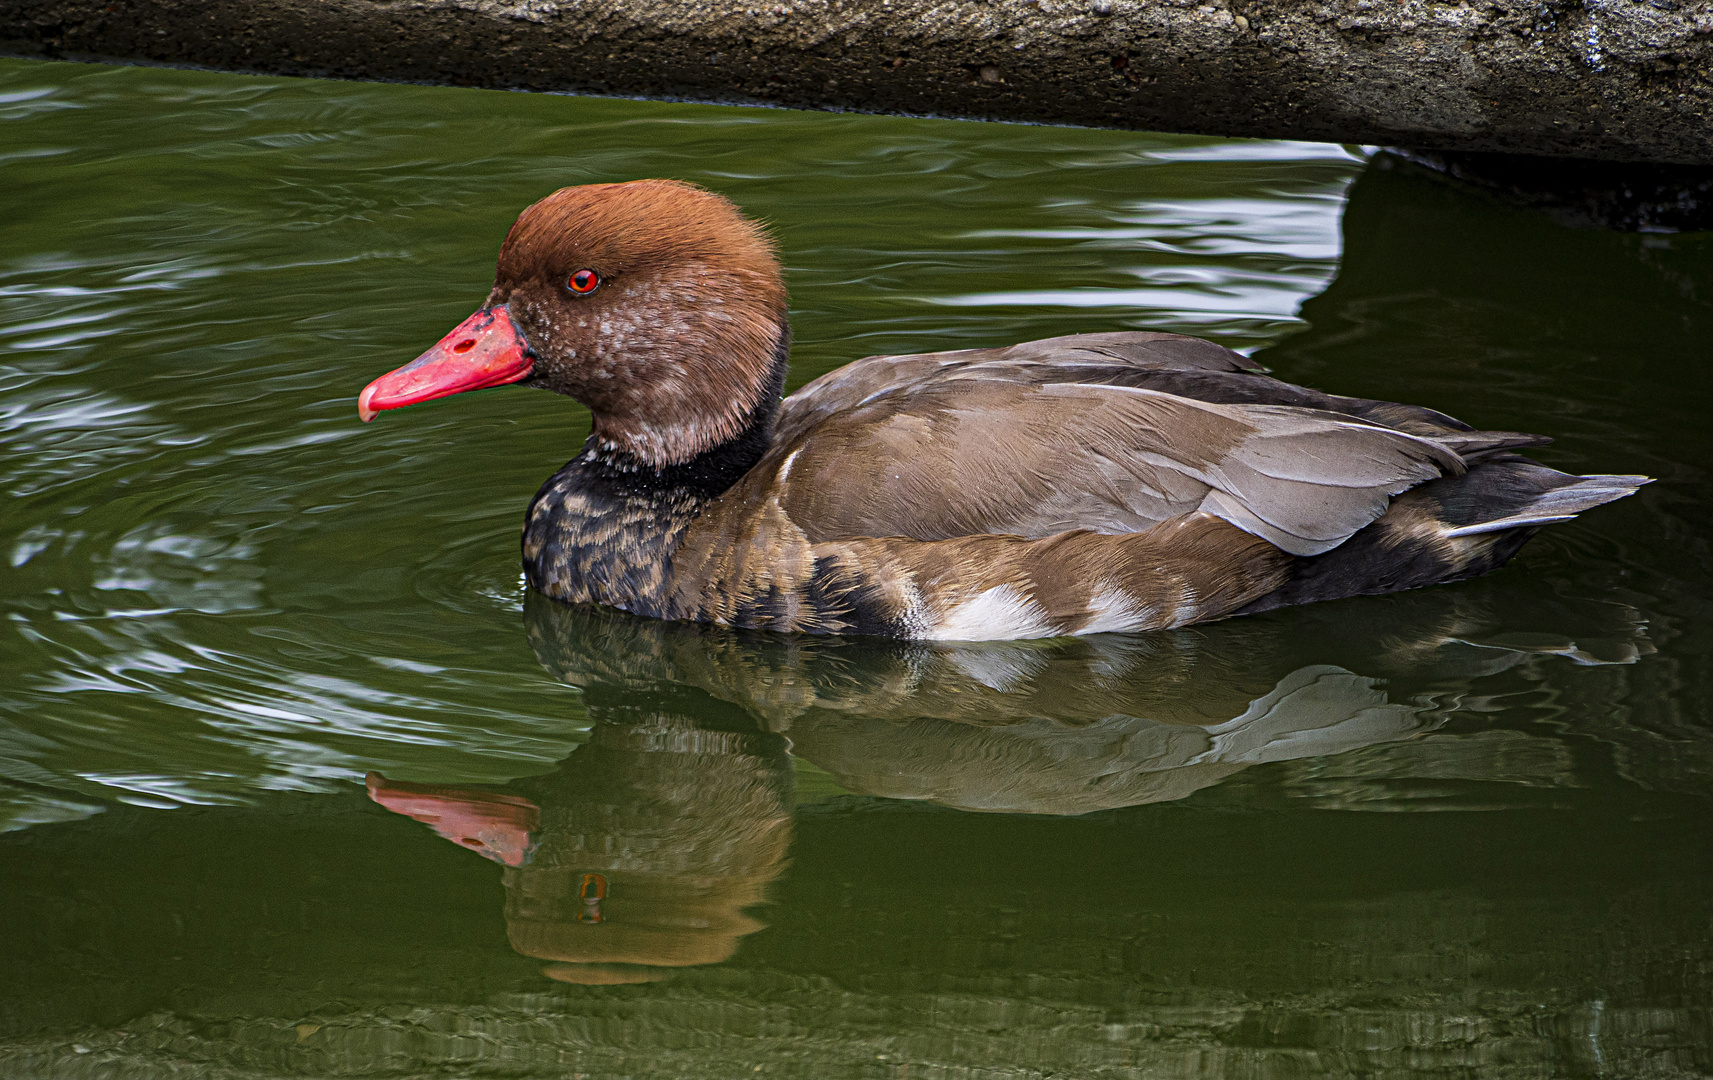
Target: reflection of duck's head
x,y
642,852
1063,726
682,823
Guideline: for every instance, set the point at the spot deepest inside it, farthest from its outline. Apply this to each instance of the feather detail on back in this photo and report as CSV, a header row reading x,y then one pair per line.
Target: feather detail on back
x,y
961,456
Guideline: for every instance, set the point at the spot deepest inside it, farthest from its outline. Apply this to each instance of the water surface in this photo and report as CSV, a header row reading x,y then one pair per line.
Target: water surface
x,y
296,780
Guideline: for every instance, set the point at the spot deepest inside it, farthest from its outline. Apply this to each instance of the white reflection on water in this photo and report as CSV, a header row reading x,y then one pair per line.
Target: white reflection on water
x,y
184,573
1209,261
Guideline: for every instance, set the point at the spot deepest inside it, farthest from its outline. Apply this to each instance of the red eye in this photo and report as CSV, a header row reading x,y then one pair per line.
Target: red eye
x,y
583,281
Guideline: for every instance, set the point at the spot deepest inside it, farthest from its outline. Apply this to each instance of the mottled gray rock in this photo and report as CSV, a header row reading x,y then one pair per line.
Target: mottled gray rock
x,y
1608,79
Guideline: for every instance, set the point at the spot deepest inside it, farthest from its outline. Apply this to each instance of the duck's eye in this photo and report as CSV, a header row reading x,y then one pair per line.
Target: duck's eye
x,y
583,281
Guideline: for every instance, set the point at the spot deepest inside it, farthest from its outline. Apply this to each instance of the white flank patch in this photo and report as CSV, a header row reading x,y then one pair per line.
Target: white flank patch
x,y
785,469
997,614
1112,612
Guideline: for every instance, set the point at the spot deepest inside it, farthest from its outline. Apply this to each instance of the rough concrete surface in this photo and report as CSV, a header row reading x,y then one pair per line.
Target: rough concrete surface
x,y
1610,79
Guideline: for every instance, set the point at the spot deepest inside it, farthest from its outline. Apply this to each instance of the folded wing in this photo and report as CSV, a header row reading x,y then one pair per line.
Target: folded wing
x,y
1068,434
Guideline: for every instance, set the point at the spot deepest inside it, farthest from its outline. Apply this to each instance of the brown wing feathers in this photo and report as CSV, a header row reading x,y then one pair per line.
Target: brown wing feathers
x,y
1307,482
971,457
1190,569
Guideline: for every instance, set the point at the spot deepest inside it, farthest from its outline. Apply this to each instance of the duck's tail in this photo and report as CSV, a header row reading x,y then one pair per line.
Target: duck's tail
x,y
1450,529
1532,502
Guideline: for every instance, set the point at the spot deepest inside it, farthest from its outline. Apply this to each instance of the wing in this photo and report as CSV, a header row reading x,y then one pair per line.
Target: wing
x,y
1048,436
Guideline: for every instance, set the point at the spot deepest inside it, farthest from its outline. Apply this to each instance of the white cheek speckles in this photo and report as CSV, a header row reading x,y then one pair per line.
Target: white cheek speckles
x,y
997,614
1113,612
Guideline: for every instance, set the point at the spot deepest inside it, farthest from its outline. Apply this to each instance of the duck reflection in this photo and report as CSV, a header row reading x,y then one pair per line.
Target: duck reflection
x,y
647,850
1067,725
641,854
655,838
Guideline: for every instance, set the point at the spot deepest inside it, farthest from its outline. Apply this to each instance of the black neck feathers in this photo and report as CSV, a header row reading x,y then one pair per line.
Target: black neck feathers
x,y
604,527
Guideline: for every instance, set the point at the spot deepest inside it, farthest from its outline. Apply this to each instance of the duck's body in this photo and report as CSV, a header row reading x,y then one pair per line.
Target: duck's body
x,y
1099,482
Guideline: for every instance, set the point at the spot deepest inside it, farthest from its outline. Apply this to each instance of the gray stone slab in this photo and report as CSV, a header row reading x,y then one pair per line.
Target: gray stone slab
x,y
1607,79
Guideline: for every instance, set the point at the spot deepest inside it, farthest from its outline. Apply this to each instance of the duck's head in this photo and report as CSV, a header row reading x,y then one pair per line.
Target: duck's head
x,y
655,303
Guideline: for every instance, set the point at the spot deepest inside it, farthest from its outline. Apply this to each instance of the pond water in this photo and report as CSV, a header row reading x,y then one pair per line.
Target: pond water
x,y
296,780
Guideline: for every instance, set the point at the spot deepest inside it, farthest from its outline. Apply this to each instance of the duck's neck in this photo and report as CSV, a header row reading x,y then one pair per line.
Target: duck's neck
x,y
603,529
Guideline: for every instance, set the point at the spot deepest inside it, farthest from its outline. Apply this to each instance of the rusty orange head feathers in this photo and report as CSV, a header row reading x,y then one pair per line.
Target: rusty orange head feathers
x,y
655,303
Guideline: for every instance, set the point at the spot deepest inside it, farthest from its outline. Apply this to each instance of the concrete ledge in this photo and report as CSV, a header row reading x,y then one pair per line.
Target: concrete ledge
x,y
1607,79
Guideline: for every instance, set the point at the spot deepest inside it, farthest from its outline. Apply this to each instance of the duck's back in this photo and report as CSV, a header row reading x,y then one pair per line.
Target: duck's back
x,y
1125,481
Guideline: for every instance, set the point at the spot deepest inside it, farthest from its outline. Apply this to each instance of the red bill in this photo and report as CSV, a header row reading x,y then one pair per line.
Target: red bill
x,y
484,350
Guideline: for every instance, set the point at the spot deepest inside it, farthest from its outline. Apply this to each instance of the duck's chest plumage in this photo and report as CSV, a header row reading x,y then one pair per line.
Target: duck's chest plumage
x,y
587,539
682,543
606,527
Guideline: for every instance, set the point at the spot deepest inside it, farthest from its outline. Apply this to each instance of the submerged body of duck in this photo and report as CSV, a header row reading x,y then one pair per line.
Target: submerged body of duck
x,y
1077,485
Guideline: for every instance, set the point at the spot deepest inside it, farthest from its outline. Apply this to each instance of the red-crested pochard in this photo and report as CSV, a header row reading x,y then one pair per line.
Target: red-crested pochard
x,y
1096,482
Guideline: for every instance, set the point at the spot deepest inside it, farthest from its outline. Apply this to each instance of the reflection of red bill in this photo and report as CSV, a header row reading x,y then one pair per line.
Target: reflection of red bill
x,y
494,826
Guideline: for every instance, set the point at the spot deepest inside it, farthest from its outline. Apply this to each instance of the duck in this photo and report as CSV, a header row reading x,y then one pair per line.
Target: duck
x,y
1117,482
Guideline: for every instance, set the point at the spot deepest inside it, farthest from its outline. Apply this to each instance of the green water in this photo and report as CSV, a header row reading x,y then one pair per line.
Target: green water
x,y
1461,832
